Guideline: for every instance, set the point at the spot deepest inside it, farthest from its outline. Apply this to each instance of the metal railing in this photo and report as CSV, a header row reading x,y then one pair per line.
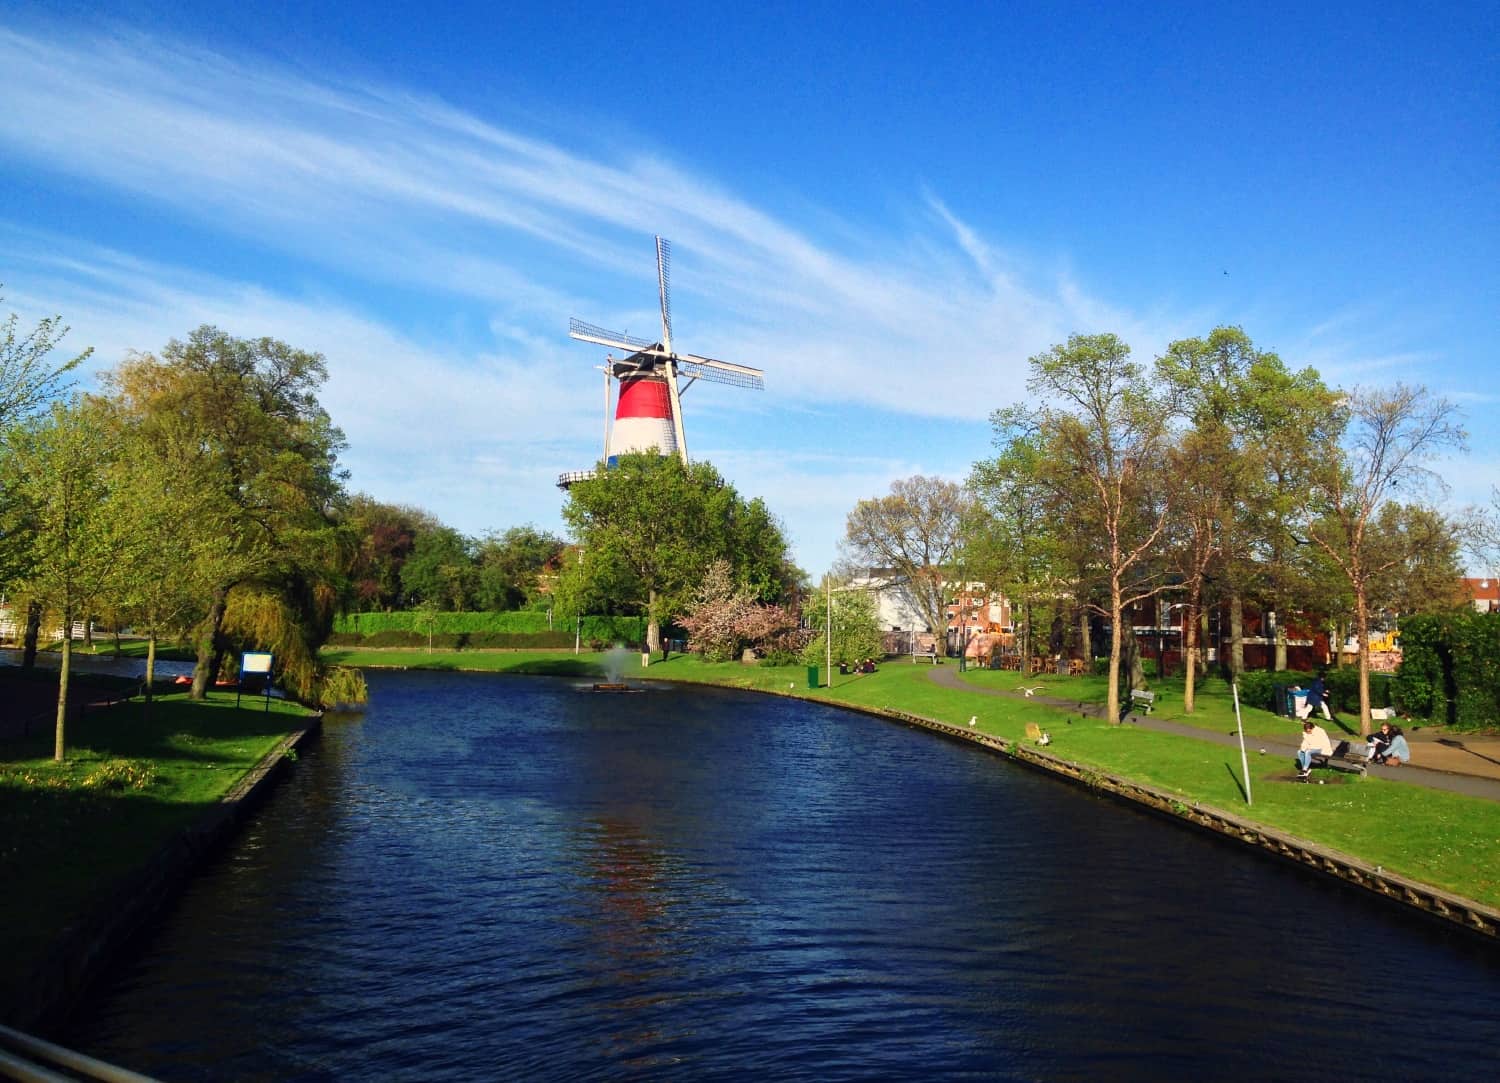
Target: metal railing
x,y
26,1058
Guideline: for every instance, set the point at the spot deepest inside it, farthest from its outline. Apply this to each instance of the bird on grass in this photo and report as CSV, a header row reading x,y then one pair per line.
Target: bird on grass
x,y
1045,738
1030,691
973,720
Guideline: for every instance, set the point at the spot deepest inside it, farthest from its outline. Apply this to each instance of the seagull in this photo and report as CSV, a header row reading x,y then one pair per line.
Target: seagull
x,y
1030,691
973,720
1045,738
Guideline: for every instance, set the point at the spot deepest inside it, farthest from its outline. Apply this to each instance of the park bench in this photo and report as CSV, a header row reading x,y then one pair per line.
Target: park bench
x,y
1142,700
1340,761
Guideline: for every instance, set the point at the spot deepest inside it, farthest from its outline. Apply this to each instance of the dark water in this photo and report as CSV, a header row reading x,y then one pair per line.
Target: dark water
x,y
499,877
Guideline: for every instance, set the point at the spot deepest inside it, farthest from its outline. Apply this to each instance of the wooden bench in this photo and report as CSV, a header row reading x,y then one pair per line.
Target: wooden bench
x,y
1142,700
1341,761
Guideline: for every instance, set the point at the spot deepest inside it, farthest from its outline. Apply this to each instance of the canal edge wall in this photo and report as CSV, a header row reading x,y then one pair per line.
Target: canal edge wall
x,y
1454,910
88,946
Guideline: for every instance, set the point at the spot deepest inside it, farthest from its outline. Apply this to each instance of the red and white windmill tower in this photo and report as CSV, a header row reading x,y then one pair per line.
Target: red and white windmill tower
x,y
648,416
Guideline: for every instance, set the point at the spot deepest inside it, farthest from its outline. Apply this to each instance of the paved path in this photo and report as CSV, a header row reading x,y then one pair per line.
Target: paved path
x,y
1467,765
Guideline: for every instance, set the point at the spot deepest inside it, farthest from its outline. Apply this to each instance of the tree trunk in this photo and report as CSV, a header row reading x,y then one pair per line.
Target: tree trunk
x,y
1236,634
1085,640
1280,647
1116,623
653,629
33,633
150,664
1362,630
62,690
209,651
1190,652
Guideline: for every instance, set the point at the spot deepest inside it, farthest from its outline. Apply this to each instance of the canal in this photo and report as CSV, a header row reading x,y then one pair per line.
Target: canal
x,y
506,877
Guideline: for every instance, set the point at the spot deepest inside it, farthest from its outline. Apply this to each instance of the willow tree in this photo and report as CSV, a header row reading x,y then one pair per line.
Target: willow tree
x,y
242,417
1393,435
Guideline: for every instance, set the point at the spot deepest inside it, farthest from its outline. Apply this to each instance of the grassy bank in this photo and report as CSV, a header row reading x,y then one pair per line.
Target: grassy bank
x,y
132,779
1443,839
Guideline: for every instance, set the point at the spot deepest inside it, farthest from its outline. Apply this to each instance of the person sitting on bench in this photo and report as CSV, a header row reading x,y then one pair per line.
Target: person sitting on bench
x,y
1314,743
1397,751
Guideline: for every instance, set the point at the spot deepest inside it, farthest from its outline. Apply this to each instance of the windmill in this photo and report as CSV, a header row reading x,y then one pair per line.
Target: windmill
x,y
648,415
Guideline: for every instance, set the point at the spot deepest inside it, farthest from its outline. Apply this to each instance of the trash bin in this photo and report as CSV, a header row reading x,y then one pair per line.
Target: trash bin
x,y
812,676
1279,701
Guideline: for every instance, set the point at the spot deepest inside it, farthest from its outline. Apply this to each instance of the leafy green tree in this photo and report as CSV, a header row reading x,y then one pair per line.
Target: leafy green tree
x,y
1244,471
1392,435
1103,430
440,570
917,532
56,471
649,528
29,377
384,537
1011,538
856,628
510,566
164,574
243,416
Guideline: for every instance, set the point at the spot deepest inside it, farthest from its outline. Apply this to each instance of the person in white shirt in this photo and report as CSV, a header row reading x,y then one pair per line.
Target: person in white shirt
x,y
1314,743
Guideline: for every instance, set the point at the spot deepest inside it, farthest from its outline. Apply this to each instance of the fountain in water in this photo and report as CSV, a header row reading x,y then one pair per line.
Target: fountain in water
x,y
614,669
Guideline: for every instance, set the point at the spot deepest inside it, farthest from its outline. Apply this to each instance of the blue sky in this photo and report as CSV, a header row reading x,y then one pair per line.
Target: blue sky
x,y
888,208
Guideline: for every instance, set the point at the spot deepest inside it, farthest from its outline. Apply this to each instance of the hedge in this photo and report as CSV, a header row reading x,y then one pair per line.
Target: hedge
x,y
607,630
1257,687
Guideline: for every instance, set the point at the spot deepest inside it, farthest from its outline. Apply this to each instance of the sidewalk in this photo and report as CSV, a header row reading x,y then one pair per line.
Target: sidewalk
x,y
1464,763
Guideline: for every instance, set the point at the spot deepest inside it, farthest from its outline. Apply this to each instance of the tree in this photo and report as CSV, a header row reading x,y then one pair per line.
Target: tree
x,y
1103,430
164,573
1011,539
725,618
510,566
916,532
440,570
28,377
385,535
856,629
1244,470
649,528
242,415
1391,436
56,473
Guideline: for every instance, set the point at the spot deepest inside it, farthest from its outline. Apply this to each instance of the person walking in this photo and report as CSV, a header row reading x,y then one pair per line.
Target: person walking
x,y
1317,698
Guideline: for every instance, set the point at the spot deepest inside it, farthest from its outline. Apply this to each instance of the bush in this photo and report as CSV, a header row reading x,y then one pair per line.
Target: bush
x,y
1450,668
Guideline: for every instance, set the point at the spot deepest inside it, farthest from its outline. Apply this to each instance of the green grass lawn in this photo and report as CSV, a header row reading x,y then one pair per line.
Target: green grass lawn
x,y
131,780
1443,839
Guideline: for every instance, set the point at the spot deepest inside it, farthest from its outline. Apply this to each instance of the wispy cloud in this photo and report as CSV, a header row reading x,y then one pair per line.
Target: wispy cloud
x,y
350,182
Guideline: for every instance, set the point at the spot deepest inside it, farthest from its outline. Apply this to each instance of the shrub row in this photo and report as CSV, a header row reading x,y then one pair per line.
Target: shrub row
x,y
449,641
364,625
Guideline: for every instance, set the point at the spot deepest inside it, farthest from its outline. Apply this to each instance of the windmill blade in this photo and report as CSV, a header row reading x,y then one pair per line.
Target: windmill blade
x,y
720,372
664,286
587,332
